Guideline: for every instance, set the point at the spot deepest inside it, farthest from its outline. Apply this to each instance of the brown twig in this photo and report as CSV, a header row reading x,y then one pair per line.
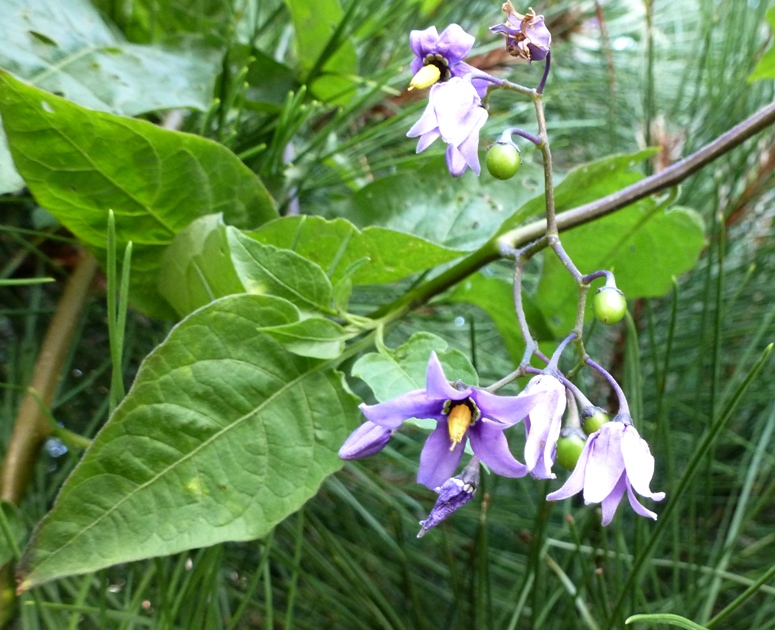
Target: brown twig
x,y
31,427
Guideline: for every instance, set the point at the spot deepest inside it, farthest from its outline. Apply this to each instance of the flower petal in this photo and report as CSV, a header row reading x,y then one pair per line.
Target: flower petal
x,y
454,44
491,446
436,384
639,463
469,148
606,463
366,440
427,139
437,462
427,122
456,163
639,509
462,70
391,413
575,482
505,410
424,42
611,502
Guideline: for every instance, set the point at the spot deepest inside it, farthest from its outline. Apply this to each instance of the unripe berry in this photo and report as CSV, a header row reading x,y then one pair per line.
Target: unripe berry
x,y
503,160
592,420
569,449
609,305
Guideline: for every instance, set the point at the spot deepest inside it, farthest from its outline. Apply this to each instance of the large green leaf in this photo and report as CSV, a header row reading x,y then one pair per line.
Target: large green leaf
x,y
373,256
66,48
223,434
327,66
265,269
644,245
460,213
80,163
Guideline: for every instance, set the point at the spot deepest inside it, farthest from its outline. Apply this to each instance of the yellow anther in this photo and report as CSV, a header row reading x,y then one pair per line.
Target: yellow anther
x,y
458,422
425,77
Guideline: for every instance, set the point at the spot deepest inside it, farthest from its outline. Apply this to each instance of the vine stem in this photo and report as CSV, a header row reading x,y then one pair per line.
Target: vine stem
x,y
31,426
521,236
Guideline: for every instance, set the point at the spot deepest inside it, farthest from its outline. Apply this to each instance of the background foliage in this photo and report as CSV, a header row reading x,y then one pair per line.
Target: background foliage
x,y
303,103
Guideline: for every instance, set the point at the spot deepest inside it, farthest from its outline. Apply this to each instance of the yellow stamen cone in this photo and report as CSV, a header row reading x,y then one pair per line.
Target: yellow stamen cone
x,y
425,77
458,423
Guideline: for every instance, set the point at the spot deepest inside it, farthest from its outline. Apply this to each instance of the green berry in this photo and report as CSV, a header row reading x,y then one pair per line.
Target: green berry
x,y
569,449
592,422
503,160
609,305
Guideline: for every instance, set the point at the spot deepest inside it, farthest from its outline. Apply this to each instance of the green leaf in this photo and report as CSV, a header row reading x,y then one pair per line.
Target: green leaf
x,y
265,269
67,49
196,268
496,297
461,213
586,183
643,244
666,619
328,64
765,69
223,434
157,183
269,83
315,337
373,256
10,180
394,372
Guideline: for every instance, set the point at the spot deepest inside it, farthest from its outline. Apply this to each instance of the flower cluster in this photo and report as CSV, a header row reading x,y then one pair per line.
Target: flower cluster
x,y
614,458
455,112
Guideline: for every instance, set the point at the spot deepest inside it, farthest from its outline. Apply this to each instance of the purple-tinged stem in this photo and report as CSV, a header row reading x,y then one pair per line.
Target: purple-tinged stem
x,y
521,132
552,367
609,278
623,406
547,65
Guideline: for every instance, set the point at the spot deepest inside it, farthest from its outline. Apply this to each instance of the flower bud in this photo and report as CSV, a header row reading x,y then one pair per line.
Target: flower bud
x,y
366,440
592,419
503,160
609,305
569,448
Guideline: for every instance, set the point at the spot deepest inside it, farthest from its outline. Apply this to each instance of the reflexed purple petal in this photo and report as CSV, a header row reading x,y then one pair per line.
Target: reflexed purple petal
x,y
505,410
437,462
424,42
454,44
427,139
490,445
502,29
639,463
391,413
366,440
575,482
453,494
545,423
639,509
469,148
539,39
456,163
437,386
611,502
426,123
606,463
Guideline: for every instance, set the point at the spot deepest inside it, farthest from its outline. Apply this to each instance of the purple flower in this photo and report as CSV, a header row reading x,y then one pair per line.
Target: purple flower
x,y
445,52
615,459
526,35
543,425
454,114
454,493
462,413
